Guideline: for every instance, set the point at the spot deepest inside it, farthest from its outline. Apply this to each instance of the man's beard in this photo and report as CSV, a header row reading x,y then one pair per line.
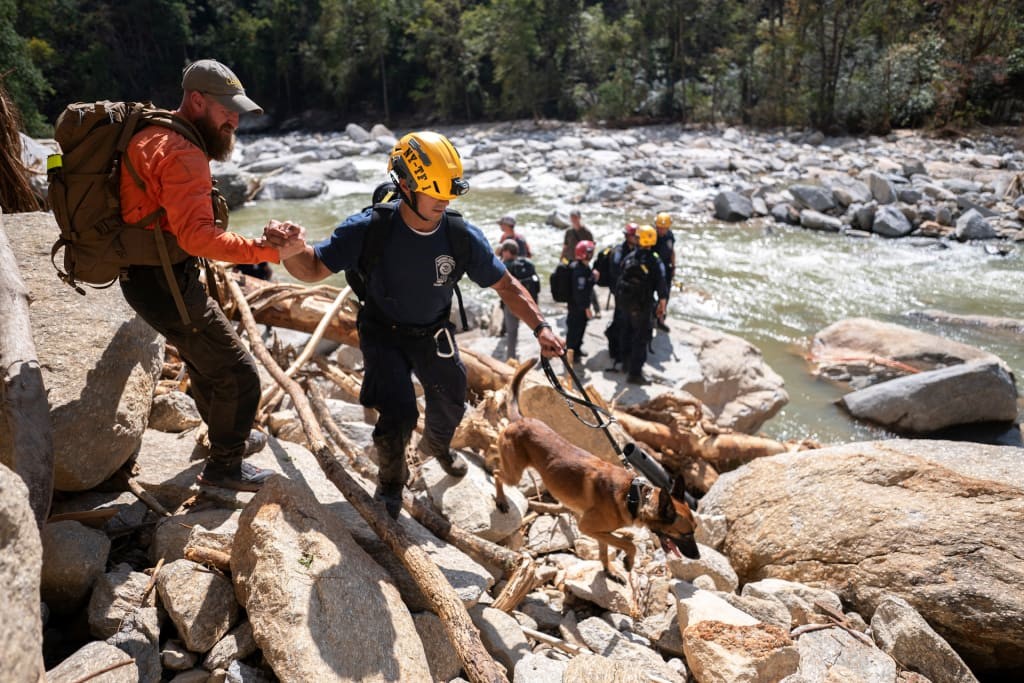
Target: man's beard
x,y
219,141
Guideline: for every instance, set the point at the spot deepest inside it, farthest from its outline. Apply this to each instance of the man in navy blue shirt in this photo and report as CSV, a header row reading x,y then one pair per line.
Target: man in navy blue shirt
x,y
404,324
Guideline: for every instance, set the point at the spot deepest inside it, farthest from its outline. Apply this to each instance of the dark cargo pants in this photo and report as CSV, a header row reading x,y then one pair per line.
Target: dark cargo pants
x,y
225,382
390,359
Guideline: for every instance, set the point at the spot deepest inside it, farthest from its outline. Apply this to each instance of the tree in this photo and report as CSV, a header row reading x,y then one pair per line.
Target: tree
x,y
19,75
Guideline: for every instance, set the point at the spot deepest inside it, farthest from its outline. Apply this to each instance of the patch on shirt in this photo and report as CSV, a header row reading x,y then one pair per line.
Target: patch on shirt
x,y
445,266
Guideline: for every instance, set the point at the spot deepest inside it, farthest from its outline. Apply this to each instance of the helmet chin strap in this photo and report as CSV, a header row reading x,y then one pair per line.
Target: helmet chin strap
x,y
409,198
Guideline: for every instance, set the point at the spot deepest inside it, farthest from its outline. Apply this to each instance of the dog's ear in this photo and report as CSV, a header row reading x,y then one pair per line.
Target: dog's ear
x,y
666,510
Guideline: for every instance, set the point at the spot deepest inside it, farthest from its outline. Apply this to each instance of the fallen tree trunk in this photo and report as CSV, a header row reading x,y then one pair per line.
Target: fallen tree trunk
x,y
24,407
462,633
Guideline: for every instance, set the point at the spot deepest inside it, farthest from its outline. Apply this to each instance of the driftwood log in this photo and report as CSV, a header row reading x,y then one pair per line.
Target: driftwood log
x,y
23,403
463,634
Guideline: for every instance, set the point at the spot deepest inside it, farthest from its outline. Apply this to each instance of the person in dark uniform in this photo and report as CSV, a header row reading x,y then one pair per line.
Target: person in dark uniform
x,y
611,278
404,327
666,250
641,279
579,299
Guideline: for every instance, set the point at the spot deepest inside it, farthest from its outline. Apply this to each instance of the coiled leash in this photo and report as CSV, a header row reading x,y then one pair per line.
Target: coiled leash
x,y
632,456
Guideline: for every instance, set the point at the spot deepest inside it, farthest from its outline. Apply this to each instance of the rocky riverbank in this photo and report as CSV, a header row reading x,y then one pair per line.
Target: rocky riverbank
x,y
884,561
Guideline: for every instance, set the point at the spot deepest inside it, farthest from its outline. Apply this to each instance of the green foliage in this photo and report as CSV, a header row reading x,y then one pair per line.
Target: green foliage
x,y
836,64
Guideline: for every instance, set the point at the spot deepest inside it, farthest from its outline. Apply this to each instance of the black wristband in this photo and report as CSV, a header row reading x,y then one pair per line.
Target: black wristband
x,y
541,326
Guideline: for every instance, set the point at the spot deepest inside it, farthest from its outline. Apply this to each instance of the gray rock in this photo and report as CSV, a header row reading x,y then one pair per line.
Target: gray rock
x,y
814,220
139,636
536,668
733,207
292,186
711,563
21,558
834,654
74,555
813,197
172,533
550,534
175,657
768,609
973,226
288,553
358,133
608,642
237,644
501,635
801,600
200,603
174,411
882,188
870,520
114,595
238,672
902,632
91,658
889,221
444,663
977,391
99,363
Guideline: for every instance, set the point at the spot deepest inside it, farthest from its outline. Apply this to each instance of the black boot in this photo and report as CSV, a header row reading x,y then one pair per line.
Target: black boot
x,y
451,463
233,473
392,471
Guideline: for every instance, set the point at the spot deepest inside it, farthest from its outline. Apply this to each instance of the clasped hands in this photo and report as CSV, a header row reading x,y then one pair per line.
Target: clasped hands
x,y
288,238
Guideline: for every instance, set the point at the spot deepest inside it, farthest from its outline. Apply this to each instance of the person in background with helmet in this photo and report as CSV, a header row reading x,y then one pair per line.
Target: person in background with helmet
x,y
579,299
508,232
666,250
404,325
609,277
523,270
641,278
574,234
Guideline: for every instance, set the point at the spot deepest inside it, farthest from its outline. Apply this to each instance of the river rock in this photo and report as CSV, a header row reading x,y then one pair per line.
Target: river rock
x,y
933,522
600,637
174,411
91,658
114,595
835,655
733,206
292,186
801,601
501,635
868,351
237,644
900,631
138,635
74,555
200,602
99,362
929,401
288,553
889,221
444,663
813,197
723,653
21,558
972,225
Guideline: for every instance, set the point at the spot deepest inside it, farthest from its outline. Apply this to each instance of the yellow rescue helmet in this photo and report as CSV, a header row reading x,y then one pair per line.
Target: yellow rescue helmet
x,y
646,236
663,220
429,163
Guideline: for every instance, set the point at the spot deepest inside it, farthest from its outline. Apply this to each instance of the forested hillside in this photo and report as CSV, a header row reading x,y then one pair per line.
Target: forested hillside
x,y
853,65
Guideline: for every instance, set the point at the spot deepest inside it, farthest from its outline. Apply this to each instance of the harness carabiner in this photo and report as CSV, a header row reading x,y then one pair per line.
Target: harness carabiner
x,y
445,333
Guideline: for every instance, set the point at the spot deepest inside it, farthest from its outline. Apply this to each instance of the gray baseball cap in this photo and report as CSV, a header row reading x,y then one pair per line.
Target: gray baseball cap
x,y
212,78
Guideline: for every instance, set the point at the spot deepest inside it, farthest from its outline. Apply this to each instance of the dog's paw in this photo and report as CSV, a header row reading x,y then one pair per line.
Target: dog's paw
x,y
502,505
616,576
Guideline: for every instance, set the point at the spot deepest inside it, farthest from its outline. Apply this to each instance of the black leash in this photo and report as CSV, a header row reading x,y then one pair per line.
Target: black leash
x,y
632,456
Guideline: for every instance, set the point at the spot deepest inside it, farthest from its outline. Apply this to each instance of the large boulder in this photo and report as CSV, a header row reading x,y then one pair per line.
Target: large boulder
x,y
936,523
929,401
100,363
21,558
867,351
293,562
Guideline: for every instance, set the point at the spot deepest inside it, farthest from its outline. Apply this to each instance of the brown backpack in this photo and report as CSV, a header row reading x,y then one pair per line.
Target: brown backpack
x,y
84,193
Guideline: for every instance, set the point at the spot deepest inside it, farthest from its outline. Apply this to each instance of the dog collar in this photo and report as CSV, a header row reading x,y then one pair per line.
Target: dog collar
x,y
633,497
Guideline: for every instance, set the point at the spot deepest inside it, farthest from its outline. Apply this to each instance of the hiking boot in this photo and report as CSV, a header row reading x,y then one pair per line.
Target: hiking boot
x,y
233,473
391,496
451,463
255,442
638,380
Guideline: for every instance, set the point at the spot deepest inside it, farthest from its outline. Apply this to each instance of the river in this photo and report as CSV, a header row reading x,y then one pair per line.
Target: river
x,y
773,285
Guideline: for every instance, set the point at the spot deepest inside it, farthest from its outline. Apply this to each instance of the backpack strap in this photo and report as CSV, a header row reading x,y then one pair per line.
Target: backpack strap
x,y
379,230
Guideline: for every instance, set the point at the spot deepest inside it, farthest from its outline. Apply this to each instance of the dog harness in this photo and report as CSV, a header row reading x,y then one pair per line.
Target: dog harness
x,y
633,496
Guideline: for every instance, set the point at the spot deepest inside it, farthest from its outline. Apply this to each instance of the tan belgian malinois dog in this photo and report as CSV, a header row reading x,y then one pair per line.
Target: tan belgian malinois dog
x,y
604,497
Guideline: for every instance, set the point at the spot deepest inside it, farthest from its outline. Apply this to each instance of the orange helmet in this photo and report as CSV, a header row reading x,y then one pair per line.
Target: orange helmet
x,y
663,220
647,236
428,163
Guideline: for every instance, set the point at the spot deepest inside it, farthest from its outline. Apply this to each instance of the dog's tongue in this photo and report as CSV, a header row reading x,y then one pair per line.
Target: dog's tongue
x,y
669,547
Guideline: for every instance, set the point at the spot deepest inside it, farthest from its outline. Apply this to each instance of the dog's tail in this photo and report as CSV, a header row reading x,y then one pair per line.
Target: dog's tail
x,y
513,393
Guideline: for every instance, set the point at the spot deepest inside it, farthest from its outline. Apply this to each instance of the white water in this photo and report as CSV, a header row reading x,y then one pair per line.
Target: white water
x,y
773,285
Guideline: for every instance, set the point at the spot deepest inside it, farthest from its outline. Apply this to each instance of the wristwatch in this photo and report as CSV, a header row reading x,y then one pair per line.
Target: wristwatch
x,y
540,326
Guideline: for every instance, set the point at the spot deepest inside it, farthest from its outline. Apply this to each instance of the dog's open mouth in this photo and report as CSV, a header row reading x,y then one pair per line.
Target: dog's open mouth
x,y
683,546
